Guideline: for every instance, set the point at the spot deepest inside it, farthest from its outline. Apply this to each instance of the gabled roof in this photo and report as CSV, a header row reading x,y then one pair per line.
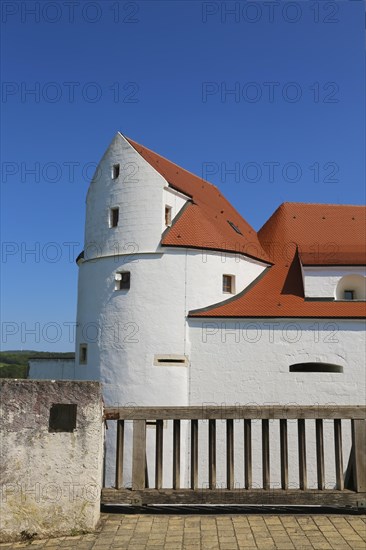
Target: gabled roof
x,y
204,223
325,234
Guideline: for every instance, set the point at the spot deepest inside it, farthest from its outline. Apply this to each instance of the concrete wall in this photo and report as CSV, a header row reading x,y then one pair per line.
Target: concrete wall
x,y
50,480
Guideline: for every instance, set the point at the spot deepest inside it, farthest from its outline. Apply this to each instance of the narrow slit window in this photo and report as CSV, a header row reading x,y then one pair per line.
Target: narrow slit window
x,y
228,284
123,280
315,367
170,360
114,217
115,171
83,354
349,295
168,216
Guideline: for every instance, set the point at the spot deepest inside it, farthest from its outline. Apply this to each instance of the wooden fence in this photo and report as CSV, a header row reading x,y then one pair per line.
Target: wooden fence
x,y
349,488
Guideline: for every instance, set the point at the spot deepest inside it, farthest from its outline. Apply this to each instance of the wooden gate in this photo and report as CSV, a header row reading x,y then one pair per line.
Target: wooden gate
x,y
349,487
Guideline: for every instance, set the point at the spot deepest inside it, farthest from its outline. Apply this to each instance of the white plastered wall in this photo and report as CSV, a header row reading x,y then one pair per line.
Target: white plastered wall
x,y
321,282
175,200
246,362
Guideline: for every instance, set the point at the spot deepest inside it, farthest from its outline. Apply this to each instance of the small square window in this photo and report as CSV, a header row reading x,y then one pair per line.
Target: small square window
x,y
168,216
123,280
83,354
115,171
62,418
113,217
228,284
349,295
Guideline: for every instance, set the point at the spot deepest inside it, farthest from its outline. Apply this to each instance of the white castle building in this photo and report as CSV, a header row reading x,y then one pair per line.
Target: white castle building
x,y
181,302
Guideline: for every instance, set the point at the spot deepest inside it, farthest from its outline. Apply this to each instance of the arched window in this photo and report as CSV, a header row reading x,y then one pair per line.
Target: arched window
x,y
315,367
351,287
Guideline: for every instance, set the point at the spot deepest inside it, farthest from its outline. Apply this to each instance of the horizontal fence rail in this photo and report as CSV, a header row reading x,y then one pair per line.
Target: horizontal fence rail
x,y
237,412
187,443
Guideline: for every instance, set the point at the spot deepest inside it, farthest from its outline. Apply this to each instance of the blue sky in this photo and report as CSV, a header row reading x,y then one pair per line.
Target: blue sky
x,y
265,99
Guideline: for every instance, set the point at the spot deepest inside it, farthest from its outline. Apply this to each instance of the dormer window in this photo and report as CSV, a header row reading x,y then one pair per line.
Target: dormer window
x,y
113,217
228,284
168,215
351,287
115,171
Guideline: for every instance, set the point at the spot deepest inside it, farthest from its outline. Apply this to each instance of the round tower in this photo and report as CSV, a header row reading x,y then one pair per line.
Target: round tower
x,y
131,302
135,293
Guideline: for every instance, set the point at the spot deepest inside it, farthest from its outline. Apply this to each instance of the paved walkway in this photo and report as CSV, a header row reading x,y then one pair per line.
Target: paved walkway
x,y
222,532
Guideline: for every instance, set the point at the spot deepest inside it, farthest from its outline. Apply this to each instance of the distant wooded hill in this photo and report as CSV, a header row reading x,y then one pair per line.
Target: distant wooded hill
x,y
14,364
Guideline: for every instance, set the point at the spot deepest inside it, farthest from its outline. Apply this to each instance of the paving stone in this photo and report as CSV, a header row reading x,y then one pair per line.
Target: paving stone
x,y
224,532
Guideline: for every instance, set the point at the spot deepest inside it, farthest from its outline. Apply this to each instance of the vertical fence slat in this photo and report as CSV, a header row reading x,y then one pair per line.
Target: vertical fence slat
x,y
146,473
359,454
230,453
338,452
176,454
248,453
284,453
194,454
302,454
319,436
119,453
139,454
265,454
159,454
212,454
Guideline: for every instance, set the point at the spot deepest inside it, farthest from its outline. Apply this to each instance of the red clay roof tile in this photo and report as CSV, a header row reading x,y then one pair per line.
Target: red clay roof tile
x,y
325,234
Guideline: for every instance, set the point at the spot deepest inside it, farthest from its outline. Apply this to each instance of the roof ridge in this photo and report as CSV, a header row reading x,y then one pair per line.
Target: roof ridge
x,y
321,204
133,143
